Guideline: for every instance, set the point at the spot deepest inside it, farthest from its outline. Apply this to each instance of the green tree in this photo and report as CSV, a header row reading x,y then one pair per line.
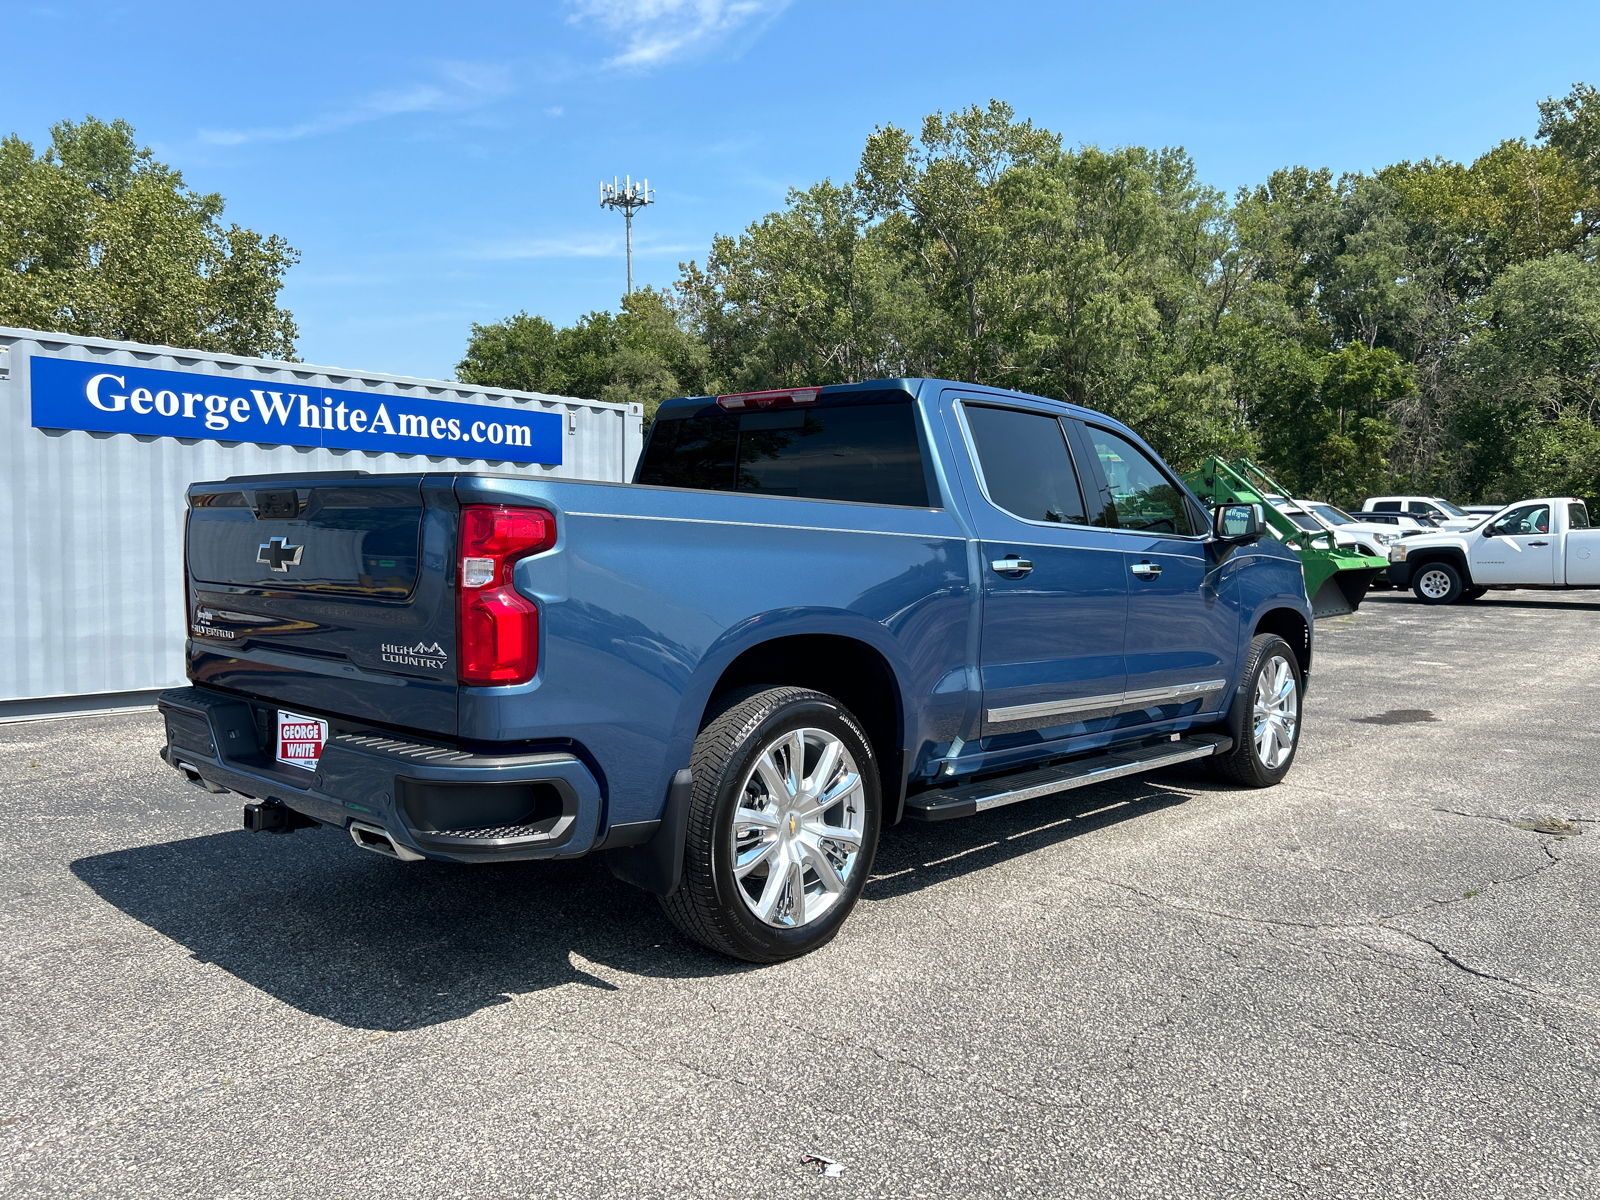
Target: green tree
x,y
643,355
808,295
520,353
1426,325
1324,419
1571,127
944,211
1529,425
98,238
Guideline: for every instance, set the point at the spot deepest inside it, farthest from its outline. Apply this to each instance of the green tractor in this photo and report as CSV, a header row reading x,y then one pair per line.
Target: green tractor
x,y
1337,578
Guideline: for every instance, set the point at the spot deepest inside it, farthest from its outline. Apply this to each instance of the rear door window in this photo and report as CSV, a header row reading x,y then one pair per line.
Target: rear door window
x,y
1027,467
1142,496
864,452
1386,506
1577,516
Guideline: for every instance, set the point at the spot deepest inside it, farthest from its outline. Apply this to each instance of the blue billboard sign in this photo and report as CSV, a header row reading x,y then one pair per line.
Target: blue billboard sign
x,y
111,398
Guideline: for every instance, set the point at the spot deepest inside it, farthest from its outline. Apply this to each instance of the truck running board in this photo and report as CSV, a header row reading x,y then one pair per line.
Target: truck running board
x,y
943,805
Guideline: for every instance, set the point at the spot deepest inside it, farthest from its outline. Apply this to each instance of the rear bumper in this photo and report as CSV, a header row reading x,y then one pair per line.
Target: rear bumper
x,y
437,802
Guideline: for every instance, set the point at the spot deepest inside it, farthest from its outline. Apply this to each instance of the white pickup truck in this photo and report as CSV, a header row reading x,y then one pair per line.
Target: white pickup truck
x,y
1544,543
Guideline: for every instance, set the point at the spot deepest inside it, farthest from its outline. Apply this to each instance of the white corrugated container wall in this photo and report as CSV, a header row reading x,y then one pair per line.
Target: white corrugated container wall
x,y
91,524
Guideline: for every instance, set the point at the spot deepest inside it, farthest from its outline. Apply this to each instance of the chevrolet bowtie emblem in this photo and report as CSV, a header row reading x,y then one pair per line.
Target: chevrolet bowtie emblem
x,y
278,555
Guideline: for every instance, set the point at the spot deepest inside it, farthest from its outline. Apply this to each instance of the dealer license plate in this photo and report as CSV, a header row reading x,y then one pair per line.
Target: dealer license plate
x,y
300,739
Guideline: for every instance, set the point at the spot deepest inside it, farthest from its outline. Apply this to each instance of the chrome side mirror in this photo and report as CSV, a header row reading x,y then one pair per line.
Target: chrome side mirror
x,y
1238,524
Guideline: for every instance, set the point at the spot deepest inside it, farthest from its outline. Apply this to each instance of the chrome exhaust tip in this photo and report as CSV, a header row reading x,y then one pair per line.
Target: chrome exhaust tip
x,y
377,839
194,777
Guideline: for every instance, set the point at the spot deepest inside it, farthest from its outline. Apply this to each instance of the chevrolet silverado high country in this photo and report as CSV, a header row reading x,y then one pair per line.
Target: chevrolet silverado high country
x,y
814,612
1546,543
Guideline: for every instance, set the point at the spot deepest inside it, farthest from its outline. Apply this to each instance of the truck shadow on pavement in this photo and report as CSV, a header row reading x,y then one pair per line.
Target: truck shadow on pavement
x,y
361,940
913,855
1492,601
375,944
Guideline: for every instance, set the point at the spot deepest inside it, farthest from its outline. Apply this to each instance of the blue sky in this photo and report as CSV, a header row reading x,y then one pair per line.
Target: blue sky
x,y
437,164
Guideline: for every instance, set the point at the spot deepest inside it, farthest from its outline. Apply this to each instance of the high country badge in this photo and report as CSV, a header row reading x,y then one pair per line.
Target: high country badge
x,y
420,655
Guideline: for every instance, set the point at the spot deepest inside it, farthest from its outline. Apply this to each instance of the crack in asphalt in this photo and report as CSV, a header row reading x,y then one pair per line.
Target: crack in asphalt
x,y
1512,821
1365,1039
1384,922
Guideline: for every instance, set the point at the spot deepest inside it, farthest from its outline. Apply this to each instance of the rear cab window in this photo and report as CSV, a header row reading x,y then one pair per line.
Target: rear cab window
x,y
862,447
1577,515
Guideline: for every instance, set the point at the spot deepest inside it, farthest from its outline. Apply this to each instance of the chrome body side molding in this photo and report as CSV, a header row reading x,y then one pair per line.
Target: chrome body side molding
x,y
1125,701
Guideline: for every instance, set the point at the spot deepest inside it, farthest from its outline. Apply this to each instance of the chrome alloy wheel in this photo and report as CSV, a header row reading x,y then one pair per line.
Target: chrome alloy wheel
x,y
796,834
1433,583
1277,711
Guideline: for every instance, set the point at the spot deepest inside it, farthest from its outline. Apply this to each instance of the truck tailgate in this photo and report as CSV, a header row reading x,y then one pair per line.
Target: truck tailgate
x,y
333,593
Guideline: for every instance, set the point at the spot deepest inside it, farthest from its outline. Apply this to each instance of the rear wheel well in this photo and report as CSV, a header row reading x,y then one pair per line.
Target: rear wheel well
x,y
850,671
1292,628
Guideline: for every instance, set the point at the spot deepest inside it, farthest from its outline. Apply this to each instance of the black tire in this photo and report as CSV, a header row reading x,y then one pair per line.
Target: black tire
x,y
1243,764
1437,583
710,904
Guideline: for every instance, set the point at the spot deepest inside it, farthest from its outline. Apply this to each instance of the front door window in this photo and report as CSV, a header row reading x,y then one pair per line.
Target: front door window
x,y
1142,497
1534,518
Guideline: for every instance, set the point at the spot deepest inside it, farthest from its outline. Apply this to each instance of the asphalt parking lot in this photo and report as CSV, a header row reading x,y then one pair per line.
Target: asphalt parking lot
x,y
1379,979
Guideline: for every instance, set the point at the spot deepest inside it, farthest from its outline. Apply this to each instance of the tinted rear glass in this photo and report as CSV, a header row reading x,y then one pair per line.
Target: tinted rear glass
x,y
862,452
694,453
1026,465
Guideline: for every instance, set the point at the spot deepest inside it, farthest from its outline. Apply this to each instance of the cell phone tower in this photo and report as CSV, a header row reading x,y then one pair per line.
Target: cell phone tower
x,y
626,196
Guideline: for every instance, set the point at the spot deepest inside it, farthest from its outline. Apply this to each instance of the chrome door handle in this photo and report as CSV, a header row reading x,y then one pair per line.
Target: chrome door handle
x,y
1011,566
1147,570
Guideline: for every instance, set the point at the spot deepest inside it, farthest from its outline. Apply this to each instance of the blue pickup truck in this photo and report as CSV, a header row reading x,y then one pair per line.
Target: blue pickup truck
x,y
814,613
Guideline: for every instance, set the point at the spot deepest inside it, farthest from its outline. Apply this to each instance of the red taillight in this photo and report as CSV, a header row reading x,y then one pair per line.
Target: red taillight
x,y
781,399
498,626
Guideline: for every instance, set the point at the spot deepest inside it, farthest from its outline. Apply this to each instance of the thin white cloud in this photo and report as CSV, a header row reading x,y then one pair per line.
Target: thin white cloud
x,y
581,245
653,32
457,87
576,246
